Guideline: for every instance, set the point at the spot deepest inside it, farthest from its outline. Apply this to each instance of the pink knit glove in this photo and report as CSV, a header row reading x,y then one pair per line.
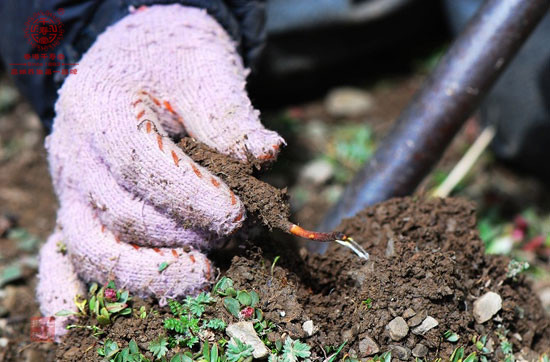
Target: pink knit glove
x,y
130,198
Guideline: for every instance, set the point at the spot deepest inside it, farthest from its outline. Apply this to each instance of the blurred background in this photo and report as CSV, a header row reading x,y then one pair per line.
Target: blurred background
x,y
334,76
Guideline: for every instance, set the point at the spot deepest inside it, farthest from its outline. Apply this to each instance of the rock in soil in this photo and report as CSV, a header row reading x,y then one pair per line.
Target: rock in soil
x,y
398,329
368,347
409,313
426,325
403,353
244,331
308,327
487,306
348,102
416,319
420,350
317,172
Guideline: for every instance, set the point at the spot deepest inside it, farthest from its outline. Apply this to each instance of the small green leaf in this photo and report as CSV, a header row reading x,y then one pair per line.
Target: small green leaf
x,y
457,355
259,314
10,274
244,297
126,311
93,288
163,266
472,357
333,357
232,306
65,313
180,357
214,353
158,347
451,336
124,297
115,307
255,298
222,285
273,264
206,351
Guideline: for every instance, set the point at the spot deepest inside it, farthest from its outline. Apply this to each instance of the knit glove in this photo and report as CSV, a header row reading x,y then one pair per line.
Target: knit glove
x,y
130,199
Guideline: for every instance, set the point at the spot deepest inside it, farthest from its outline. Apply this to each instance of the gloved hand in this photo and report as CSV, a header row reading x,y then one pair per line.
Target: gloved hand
x,y
130,199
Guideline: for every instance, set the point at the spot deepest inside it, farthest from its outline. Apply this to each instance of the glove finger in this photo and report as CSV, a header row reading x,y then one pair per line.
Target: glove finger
x,y
215,107
135,220
134,147
58,283
205,87
99,257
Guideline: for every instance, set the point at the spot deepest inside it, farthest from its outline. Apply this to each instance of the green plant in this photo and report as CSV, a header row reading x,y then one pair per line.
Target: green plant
x,y
238,351
515,268
142,313
293,350
187,324
112,353
275,260
216,324
25,240
384,357
333,356
159,347
451,336
198,304
367,303
224,287
103,304
506,346
458,356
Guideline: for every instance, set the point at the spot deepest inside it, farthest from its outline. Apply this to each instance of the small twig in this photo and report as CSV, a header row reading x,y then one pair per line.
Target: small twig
x,y
466,163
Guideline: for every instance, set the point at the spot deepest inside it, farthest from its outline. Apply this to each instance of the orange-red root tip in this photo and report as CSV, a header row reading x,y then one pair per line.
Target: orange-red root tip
x,y
315,235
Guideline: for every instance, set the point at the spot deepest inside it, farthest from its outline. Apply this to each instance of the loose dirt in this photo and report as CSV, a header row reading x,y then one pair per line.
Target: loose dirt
x,y
426,260
268,203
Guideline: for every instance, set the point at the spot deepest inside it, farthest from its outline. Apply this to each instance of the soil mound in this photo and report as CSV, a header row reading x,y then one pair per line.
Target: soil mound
x,y
426,271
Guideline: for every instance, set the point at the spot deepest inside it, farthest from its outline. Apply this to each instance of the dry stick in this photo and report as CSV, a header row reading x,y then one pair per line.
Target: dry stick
x,y
466,163
268,203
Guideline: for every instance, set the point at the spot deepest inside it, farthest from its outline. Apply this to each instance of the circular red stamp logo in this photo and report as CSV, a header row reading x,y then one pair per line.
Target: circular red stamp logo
x,y
44,30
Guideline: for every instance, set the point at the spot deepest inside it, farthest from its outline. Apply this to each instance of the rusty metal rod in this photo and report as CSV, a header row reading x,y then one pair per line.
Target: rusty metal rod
x,y
431,120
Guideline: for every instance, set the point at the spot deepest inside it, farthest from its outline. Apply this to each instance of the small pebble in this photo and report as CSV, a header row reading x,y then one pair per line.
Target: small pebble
x,y
426,325
403,353
368,347
398,328
308,327
486,306
416,320
409,313
420,350
348,102
317,172
244,331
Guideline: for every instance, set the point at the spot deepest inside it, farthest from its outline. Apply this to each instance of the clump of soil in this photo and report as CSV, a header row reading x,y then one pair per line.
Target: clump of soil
x,y
426,260
264,201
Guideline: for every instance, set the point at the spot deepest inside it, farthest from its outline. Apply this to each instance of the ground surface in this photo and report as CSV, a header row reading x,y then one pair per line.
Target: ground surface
x,y
427,260
416,278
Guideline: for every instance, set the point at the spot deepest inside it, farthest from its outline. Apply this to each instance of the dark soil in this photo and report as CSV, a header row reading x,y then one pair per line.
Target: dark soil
x,y
268,203
425,256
